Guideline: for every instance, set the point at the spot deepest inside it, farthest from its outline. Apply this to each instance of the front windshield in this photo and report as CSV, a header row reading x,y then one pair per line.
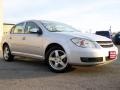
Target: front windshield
x,y
58,27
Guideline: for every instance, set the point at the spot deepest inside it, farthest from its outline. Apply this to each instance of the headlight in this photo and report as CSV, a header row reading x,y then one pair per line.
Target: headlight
x,y
84,43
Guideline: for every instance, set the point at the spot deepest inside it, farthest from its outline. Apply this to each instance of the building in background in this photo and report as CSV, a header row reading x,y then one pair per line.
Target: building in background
x,y
1,19
7,27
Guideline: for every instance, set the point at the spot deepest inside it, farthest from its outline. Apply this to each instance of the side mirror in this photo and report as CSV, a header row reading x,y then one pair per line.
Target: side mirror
x,y
35,31
39,32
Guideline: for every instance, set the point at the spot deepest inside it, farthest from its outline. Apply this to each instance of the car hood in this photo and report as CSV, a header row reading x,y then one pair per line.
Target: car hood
x,y
92,37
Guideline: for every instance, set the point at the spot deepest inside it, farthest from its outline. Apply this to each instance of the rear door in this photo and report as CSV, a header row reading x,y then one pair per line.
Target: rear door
x,y
16,38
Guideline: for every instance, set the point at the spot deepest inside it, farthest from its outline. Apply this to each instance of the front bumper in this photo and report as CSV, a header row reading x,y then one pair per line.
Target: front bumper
x,y
91,56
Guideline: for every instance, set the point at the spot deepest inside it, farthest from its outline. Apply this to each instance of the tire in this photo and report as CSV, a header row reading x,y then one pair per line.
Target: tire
x,y
57,60
7,56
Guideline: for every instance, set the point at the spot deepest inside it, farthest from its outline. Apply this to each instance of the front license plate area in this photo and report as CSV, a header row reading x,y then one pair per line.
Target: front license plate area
x,y
112,55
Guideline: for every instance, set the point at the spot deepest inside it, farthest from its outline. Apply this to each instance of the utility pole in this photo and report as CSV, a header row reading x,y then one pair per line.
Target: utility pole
x,y
1,19
110,29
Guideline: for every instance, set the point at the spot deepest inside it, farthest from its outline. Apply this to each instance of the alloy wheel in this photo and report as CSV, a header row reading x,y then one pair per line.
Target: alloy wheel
x,y
6,53
58,59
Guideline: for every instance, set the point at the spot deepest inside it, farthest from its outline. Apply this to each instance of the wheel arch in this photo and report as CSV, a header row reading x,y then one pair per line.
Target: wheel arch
x,y
52,45
5,43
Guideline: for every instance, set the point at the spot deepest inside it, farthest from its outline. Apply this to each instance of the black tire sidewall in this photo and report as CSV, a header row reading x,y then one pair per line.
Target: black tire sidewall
x,y
10,58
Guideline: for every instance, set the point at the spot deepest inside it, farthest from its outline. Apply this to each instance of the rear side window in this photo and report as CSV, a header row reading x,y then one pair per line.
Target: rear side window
x,y
18,29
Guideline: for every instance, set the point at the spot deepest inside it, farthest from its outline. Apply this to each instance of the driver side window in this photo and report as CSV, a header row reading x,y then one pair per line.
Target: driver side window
x,y
31,27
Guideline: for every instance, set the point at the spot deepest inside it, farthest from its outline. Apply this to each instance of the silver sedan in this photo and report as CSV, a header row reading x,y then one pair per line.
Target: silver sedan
x,y
58,44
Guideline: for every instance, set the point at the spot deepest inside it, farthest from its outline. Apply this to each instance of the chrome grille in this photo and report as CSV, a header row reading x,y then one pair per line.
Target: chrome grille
x,y
105,44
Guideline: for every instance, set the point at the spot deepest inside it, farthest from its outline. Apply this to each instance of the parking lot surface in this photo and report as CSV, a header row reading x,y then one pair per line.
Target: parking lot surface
x,y
30,74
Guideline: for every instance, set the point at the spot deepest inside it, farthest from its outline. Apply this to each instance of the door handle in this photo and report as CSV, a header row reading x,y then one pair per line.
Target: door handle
x,y
23,38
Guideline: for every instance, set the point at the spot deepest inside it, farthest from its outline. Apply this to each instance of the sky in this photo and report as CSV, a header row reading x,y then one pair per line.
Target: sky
x,y
85,15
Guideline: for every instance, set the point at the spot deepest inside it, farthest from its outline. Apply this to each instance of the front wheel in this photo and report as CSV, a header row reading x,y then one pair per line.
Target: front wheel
x,y
7,53
57,59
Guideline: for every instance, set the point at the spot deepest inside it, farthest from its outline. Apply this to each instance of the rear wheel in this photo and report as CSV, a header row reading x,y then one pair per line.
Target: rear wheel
x,y
7,53
57,59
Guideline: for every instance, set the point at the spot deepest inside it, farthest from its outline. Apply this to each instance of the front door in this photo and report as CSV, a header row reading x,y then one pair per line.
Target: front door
x,y
33,42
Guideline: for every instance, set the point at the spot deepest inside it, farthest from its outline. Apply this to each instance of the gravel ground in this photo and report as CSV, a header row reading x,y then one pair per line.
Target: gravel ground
x,y
28,74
